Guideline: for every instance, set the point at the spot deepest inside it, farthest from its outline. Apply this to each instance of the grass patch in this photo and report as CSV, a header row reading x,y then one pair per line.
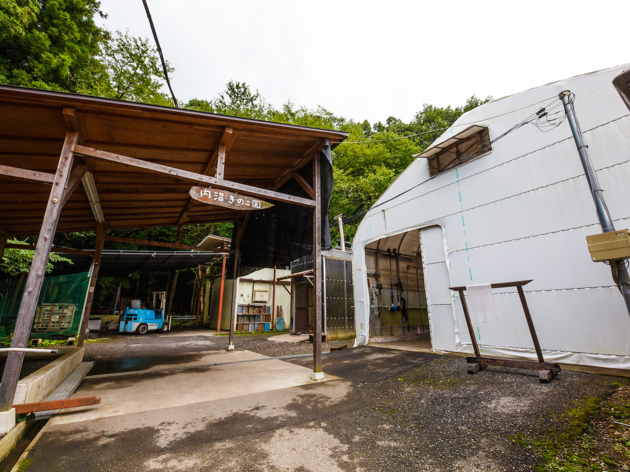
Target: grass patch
x,y
591,440
24,464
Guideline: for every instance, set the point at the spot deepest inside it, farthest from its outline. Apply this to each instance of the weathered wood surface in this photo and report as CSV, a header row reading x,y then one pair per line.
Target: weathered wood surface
x,y
73,182
101,231
304,184
27,174
469,325
192,176
35,279
55,405
226,199
520,283
155,243
63,250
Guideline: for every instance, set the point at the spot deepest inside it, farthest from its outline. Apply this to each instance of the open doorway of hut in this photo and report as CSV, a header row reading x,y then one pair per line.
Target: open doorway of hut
x,y
398,302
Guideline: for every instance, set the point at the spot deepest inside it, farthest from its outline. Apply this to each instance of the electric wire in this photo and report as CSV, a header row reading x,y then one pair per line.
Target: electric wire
x,y
442,129
531,119
157,43
545,120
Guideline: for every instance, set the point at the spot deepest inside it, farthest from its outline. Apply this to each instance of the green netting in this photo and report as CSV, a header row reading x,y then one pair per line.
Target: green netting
x,y
59,308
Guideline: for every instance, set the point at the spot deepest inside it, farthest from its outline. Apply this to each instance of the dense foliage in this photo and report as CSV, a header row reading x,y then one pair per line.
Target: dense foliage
x,y
18,261
364,166
56,45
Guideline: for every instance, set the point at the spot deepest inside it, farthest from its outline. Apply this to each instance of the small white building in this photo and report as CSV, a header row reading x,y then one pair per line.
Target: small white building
x,y
518,208
254,290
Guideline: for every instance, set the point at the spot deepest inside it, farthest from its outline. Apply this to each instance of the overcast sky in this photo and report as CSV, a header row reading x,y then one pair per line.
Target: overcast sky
x,y
370,60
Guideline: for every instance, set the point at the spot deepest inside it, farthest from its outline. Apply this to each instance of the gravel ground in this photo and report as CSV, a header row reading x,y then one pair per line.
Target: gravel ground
x,y
397,414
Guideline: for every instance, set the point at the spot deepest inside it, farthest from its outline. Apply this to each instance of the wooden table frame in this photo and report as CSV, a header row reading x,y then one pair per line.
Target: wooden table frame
x,y
546,370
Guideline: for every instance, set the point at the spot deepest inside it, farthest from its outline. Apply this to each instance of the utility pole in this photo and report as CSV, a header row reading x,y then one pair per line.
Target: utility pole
x,y
343,242
603,215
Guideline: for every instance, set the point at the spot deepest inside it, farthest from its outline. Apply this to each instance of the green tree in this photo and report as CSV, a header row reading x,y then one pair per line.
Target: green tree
x,y
131,70
237,100
49,44
17,261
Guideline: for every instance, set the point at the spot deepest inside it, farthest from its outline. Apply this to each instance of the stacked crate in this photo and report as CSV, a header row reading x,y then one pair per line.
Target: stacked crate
x,y
253,317
54,316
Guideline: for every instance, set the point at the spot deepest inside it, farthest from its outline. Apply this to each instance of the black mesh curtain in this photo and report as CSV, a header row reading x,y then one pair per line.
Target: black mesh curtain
x,y
283,233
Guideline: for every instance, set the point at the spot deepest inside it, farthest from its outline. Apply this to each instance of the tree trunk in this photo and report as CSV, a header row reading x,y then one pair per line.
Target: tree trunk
x,y
171,293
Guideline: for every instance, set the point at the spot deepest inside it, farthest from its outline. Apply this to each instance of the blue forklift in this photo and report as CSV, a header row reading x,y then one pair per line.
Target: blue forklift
x,y
140,318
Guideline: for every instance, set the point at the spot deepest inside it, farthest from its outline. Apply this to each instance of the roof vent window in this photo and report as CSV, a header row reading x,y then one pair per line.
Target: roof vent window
x,y
468,144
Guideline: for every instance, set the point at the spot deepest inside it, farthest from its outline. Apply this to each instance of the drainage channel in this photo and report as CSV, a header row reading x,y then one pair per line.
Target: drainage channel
x,y
187,367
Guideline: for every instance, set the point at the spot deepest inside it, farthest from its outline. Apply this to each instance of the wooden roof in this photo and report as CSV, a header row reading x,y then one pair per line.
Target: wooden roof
x,y
32,132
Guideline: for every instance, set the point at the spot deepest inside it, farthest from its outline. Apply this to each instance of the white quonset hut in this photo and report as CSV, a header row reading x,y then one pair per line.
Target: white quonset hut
x,y
518,208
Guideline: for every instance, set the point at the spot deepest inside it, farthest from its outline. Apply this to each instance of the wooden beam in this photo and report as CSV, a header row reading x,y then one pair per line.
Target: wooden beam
x,y
298,274
70,118
304,184
221,162
305,160
157,243
75,177
150,243
55,405
101,231
24,321
6,233
225,144
27,174
519,283
63,250
191,176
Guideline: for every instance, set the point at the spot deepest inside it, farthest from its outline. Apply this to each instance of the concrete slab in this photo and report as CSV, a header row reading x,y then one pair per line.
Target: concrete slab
x,y
38,385
289,338
157,391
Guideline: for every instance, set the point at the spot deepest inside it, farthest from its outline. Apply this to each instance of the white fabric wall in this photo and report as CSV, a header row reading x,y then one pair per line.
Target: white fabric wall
x,y
520,212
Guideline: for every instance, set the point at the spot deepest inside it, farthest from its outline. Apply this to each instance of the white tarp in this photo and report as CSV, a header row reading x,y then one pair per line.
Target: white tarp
x,y
521,211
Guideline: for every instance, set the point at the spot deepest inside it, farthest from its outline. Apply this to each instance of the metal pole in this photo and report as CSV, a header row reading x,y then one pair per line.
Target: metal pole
x,y
273,303
317,373
605,221
343,241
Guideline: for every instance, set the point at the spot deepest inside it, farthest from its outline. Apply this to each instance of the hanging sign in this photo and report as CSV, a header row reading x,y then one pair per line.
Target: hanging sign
x,y
223,198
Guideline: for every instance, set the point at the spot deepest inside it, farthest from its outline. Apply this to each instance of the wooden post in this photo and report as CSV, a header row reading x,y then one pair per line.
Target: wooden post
x,y
317,373
221,162
98,252
239,229
530,323
206,301
221,295
273,303
24,321
471,331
